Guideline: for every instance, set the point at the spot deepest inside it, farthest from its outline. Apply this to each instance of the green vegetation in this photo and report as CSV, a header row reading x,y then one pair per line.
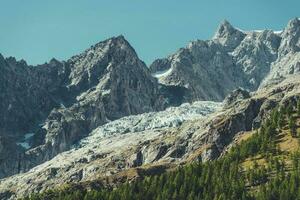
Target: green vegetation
x,y
261,167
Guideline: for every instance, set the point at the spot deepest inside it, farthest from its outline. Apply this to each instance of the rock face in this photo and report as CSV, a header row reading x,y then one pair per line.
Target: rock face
x,y
288,61
27,94
209,70
61,102
235,96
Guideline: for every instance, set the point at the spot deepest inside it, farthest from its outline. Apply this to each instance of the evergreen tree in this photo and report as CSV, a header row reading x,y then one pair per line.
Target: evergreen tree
x,y
298,107
292,126
289,109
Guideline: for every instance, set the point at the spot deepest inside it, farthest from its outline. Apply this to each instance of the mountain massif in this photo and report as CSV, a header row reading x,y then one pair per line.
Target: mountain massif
x,y
210,70
93,118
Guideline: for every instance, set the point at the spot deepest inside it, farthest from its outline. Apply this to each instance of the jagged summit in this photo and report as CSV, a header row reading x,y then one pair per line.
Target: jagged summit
x,y
54,61
290,37
112,45
223,28
117,40
228,36
293,23
233,58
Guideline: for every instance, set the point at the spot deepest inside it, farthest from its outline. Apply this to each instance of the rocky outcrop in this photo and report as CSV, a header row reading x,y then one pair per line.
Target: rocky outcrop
x,y
235,96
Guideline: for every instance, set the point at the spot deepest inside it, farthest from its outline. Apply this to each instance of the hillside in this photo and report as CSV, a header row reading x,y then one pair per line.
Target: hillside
x,y
263,164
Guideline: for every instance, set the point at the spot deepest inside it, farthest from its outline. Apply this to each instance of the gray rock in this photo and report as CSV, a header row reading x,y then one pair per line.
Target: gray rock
x,y
236,96
229,36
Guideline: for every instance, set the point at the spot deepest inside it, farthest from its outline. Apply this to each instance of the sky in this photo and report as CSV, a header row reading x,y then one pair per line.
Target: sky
x,y
38,30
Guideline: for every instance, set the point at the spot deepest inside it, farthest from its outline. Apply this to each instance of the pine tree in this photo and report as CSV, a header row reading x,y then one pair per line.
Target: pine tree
x,y
280,121
289,109
292,126
298,107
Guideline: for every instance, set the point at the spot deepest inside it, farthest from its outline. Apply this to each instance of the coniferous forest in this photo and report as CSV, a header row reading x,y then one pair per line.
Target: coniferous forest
x,y
261,167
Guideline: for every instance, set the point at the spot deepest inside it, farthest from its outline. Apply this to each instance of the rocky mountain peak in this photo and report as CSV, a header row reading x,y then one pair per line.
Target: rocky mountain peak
x,y
225,26
89,66
232,59
2,60
290,38
228,36
1,57
293,24
54,62
118,45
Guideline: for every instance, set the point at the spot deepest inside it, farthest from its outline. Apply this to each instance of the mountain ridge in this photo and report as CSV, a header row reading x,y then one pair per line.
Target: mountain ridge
x,y
248,57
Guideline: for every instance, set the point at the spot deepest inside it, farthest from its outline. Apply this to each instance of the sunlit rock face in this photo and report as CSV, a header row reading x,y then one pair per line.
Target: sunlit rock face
x,y
211,69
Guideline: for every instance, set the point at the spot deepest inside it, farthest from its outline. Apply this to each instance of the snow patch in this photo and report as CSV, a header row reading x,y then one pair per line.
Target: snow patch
x,y
258,31
162,73
28,136
105,92
25,145
240,30
25,141
278,32
232,53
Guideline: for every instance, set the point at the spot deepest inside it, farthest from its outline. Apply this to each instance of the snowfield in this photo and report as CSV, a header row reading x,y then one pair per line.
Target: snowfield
x,y
162,73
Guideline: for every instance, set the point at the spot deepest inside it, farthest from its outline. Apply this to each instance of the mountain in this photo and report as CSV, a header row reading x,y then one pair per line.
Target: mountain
x,y
210,70
46,109
102,117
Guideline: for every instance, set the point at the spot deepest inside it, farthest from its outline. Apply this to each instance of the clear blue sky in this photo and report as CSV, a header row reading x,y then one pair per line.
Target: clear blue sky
x,y
38,30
